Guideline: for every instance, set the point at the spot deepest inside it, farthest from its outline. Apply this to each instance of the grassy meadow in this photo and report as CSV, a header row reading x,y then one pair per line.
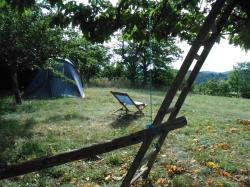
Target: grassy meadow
x,y
212,150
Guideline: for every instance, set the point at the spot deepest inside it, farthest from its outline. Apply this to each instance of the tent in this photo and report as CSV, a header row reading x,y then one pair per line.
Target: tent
x,y
64,80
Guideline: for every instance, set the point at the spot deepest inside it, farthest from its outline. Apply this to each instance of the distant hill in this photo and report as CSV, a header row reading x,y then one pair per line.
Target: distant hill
x,y
204,76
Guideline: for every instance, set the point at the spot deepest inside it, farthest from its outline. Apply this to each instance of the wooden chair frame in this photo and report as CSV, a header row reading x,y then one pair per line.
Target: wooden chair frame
x,y
139,107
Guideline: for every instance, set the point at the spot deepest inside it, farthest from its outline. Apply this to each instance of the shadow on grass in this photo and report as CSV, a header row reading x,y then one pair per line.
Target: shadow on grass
x,y
29,98
10,131
65,117
7,106
124,120
148,184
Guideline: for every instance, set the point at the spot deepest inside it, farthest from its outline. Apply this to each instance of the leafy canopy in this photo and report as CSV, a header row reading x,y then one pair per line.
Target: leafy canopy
x,y
99,19
26,38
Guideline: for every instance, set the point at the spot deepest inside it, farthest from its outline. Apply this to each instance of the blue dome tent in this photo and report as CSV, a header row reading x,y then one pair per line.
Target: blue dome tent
x,y
63,81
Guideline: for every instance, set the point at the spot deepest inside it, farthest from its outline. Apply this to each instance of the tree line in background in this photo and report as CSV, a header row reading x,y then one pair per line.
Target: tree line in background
x,y
28,41
33,32
30,38
237,84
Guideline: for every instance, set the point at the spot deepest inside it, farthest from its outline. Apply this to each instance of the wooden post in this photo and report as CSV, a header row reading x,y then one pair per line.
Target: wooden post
x,y
46,162
204,31
212,39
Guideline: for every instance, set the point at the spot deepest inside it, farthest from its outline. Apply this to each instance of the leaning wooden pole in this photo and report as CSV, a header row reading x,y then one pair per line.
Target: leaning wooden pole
x,y
208,46
46,162
204,31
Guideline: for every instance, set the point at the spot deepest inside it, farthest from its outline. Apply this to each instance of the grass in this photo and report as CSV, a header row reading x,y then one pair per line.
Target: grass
x,y
213,150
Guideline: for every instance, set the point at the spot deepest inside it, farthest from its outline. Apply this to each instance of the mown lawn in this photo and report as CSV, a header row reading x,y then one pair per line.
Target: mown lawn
x,y
212,150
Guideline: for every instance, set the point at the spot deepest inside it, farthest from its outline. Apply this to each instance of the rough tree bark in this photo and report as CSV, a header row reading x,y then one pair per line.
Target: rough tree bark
x,y
15,86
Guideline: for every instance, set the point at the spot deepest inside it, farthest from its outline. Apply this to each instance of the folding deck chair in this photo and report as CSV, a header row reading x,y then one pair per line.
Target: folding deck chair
x,y
125,100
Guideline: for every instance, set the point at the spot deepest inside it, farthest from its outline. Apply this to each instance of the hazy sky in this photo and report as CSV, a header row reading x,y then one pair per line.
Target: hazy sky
x,y
222,57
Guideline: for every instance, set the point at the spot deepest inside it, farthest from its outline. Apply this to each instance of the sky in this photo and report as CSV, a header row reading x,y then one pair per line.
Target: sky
x,y
221,58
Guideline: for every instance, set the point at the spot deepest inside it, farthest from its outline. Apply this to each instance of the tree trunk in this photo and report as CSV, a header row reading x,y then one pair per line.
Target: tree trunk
x,y
145,75
15,86
132,78
133,74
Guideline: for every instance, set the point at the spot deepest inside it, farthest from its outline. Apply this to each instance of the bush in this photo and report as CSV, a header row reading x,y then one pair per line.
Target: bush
x,y
105,82
213,87
113,71
240,79
162,77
